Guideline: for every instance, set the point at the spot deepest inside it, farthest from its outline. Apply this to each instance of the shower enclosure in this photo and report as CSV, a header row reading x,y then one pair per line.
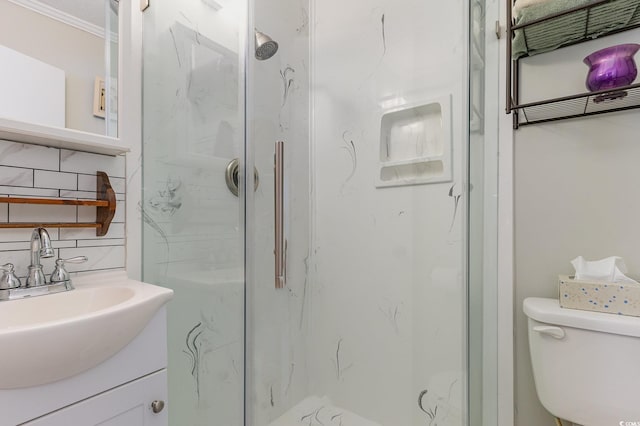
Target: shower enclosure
x,y
341,285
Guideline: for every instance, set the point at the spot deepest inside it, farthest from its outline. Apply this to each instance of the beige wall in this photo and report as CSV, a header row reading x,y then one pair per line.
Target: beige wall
x,y
78,53
576,193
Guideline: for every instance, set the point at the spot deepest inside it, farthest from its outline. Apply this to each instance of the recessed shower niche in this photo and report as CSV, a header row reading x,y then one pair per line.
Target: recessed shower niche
x,y
415,144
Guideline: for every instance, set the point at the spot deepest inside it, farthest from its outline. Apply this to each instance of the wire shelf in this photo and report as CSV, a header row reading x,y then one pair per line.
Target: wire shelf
x,y
580,105
598,18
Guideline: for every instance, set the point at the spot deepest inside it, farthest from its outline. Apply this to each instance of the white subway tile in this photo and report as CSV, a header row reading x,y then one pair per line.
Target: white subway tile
x,y
116,230
58,180
41,213
57,244
11,235
24,245
19,245
118,185
78,274
86,214
101,242
78,194
84,162
34,156
120,212
28,192
16,176
99,257
87,182
78,233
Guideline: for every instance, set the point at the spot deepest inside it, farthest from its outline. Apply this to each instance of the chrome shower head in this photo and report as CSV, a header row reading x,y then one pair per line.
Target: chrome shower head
x,y
265,46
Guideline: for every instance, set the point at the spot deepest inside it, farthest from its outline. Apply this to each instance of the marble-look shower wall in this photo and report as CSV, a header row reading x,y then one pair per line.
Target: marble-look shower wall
x,y
42,172
388,284
278,109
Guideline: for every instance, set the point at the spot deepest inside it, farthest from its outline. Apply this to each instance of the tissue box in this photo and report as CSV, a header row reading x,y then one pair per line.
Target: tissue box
x,y
620,299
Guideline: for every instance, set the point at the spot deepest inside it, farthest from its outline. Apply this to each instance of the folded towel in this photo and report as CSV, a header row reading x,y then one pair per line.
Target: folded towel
x,y
315,411
555,33
521,4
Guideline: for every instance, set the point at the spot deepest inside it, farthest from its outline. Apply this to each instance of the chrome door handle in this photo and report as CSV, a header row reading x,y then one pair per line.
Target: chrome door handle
x,y
280,243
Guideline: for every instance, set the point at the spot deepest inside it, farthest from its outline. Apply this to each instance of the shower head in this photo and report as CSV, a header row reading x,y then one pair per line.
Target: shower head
x,y
265,46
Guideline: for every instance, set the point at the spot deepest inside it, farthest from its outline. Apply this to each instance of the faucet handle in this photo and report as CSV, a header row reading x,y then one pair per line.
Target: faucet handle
x,y
9,279
60,274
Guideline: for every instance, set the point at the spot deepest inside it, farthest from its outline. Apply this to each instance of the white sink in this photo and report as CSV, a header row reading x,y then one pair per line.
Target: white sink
x,y
52,337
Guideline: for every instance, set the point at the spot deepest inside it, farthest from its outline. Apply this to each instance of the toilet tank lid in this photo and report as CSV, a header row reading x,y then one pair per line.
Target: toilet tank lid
x,y
549,311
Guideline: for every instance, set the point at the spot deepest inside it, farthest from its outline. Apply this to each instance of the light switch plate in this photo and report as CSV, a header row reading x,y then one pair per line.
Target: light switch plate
x,y
99,98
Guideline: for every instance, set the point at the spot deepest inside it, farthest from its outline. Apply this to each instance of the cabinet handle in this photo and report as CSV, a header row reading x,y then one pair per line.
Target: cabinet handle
x,y
157,406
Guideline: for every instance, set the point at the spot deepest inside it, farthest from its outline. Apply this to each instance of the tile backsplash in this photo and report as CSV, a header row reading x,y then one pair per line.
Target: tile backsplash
x,y
37,171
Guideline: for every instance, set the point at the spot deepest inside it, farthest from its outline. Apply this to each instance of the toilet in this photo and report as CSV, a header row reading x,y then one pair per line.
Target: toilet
x,y
586,365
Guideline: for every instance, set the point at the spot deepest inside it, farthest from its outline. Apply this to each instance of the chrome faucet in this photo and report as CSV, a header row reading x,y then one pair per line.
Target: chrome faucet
x,y
10,286
40,247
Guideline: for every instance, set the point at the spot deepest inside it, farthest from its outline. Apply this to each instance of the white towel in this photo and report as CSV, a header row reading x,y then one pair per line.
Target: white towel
x,y
521,4
315,411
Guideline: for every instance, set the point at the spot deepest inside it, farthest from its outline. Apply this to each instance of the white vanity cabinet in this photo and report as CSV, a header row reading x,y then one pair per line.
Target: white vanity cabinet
x,y
126,405
118,392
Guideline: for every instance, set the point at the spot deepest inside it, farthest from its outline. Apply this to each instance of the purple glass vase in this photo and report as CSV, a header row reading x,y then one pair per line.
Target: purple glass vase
x,y
611,67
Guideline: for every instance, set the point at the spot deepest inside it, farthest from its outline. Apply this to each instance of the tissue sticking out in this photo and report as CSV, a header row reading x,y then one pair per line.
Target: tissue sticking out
x,y
611,269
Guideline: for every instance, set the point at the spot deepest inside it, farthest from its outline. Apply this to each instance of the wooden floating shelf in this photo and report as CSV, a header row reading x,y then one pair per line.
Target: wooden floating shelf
x,y
54,201
50,225
105,211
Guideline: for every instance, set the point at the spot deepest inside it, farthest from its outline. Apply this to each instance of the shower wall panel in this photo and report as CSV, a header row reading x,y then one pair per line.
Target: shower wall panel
x,y
388,324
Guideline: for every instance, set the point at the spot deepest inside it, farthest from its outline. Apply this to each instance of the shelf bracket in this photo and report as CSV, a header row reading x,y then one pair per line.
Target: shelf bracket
x,y
104,214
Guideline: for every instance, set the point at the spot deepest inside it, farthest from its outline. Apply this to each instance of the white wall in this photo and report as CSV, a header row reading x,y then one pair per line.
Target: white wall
x,y
79,53
575,194
388,286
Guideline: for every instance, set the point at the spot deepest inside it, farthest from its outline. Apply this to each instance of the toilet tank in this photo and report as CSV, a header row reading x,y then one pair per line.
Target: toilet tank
x,y
586,365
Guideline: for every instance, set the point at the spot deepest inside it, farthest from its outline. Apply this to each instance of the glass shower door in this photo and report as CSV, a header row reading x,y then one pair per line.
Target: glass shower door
x,y
193,233
371,101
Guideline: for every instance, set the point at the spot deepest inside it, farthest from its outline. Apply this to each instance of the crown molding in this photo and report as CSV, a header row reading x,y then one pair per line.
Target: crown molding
x,y
60,16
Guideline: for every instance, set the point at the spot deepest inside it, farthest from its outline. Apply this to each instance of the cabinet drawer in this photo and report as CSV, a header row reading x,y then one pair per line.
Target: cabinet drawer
x,y
126,405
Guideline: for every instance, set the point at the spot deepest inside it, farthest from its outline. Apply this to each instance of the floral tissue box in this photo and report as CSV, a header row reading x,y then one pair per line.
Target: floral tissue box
x,y
612,298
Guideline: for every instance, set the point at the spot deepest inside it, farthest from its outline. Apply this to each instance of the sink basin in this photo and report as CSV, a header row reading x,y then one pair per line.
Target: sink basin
x,y
52,337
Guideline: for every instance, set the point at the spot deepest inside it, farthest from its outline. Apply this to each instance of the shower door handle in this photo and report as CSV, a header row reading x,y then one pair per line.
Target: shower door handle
x,y
280,242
